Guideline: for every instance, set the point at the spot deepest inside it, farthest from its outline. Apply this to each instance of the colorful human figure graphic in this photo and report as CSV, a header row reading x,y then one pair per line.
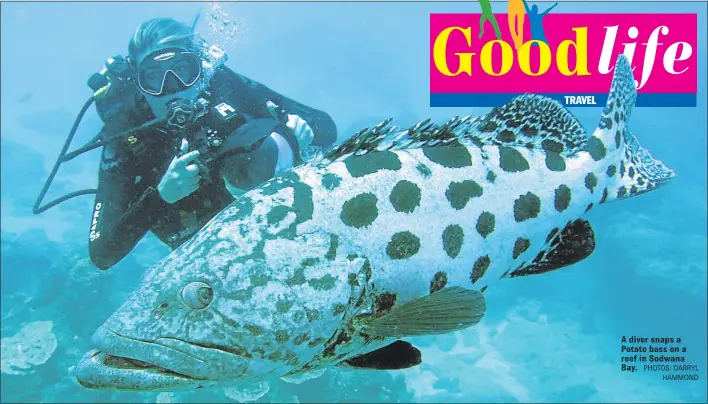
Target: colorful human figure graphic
x,y
536,21
516,16
488,15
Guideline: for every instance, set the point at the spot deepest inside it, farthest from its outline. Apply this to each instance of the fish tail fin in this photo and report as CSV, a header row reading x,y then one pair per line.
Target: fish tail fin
x,y
631,168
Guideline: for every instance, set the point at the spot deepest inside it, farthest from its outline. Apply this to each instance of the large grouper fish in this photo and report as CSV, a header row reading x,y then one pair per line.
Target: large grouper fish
x,y
391,234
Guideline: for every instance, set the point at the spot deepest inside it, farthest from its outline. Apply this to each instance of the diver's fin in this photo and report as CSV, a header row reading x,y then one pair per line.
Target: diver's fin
x,y
447,310
396,356
564,248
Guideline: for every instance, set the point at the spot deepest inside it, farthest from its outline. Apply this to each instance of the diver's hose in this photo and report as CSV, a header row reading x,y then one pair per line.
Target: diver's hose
x,y
95,143
36,209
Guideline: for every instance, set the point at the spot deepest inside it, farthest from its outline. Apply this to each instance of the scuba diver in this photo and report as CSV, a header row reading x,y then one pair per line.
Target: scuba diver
x,y
221,134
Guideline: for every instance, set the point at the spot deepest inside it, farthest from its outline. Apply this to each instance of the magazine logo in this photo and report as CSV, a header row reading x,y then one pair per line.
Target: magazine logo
x,y
573,63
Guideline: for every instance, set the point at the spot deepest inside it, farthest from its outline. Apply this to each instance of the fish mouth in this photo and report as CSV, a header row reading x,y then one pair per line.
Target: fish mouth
x,y
99,370
124,363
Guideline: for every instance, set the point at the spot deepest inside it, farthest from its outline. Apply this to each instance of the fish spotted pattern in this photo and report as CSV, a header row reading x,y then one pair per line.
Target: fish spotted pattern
x,y
393,233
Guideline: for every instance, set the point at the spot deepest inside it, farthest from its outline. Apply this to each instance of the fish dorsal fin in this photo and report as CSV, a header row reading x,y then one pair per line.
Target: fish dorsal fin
x,y
531,121
385,136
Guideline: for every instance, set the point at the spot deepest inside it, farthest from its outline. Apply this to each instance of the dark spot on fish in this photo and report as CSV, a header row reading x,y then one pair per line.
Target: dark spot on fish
x,y
277,214
423,170
292,359
383,303
622,191
529,131
480,268
611,170
338,309
360,211
275,356
550,145
506,136
618,139
439,281
459,193
520,246
588,208
526,207
298,277
555,162
369,163
302,195
405,196
604,196
605,123
282,336
621,168
488,126
631,172
333,244
313,315
562,198
254,329
324,283
284,306
309,262
403,245
316,342
300,339
491,176
353,281
299,317
485,224
590,182
483,288
633,190
367,270
453,237
331,181
259,280
454,155
596,148
511,160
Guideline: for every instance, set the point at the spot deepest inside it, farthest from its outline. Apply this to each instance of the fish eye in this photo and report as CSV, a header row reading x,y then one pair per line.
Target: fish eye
x,y
197,295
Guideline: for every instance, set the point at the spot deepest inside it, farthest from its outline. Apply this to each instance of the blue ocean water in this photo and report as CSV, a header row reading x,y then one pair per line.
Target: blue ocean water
x,y
551,338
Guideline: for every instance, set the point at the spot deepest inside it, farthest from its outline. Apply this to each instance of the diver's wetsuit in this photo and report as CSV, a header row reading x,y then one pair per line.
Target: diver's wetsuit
x,y
127,202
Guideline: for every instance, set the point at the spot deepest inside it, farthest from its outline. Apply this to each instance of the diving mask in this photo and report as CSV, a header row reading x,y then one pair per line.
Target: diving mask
x,y
169,71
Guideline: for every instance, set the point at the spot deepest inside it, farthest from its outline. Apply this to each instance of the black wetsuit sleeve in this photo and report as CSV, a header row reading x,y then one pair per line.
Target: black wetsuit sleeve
x,y
322,125
123,210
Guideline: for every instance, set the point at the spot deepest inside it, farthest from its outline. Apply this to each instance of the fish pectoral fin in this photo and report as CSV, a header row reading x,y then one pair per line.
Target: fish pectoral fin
x,y
447,310
395,356
567,247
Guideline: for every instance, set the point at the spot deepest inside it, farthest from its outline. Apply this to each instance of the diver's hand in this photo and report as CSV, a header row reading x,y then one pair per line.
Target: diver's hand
x,y
303,132
298,126
181,178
